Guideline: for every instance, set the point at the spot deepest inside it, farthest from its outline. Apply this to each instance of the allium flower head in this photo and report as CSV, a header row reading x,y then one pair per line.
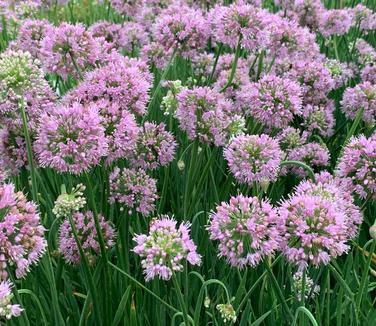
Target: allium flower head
x,y
313,154
358,162
68,203
120,129
71,139
340,72
335,21
165,248
364,17
22,83
306,12
246,230
253,158
227,312
155,147
334,190
362,96
116,82
132,36
310,289
181,28
69,48
134,189
107,33
30,36
155,53
170,101
314,78
204,113
127,7
319,118
290,138
12,149
7,309
87,234
21,234
313,229
367,53
239,20
273,101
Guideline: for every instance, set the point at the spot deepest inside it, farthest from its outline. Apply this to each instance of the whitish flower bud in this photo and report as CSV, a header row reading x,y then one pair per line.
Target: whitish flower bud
x,y
227,312
372,231
181,165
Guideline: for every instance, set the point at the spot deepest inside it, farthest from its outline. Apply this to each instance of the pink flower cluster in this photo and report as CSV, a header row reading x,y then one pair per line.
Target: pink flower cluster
x,y
165,248
246,230
87,235
134,189
253,158
7,309
22,239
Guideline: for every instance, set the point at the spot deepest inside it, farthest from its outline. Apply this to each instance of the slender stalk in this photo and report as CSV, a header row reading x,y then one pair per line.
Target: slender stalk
x,y
234,65
35,298
34,186
180,299
308,169
143,287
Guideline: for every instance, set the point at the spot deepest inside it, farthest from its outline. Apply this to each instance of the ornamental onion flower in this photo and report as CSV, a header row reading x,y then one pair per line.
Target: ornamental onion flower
x,y
334,190
335,21
246,230
311,289
87,235
22,239
313,230
358,162
253,158
71,139
362,96
165,248
69,50
205,114
155,147
134,189
7,309
273,101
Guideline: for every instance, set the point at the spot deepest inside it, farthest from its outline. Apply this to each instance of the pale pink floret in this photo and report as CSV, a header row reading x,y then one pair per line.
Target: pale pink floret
x,y
165,248
246,230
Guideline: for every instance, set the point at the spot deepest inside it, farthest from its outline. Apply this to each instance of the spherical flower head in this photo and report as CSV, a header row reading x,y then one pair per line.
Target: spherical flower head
x,y
314,78
306,12
69,50
313,154
358,162
134,189
127,7
368,73
132,36
165,248
227,312
253,158
273,101
7,309
205,114
311,290
155,147
106,33
364,17
340,72
155,53
290,138
367,53
31,34
71,139
68,203
313,229
120,129
183,29
246,230
12,149
22,239
319,118
21,79
332,189
238,21
335,21
87,234
362,96
116,82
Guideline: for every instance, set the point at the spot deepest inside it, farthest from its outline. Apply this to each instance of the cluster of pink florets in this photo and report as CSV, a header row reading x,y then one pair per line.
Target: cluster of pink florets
x,y
165,248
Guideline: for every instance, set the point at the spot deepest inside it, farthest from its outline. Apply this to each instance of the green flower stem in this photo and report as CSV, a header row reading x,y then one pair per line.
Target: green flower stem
x,y
144,287
35,298
180,299
300,164
34,186
88,275
234,65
